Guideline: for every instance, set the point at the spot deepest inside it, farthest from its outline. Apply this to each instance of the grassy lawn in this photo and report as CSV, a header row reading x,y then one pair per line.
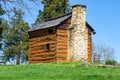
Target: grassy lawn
x,y
57,71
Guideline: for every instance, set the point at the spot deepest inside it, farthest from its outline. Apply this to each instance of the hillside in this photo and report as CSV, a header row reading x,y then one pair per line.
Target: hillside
x,y
57,71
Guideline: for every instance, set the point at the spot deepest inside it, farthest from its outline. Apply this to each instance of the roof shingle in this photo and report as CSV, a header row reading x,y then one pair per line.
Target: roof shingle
x,y
51,22
55,22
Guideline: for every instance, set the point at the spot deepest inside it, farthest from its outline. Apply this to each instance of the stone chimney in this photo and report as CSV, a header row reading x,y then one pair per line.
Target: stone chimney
x,y
78,34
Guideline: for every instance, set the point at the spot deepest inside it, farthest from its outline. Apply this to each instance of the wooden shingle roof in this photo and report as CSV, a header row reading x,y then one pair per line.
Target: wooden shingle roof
x,y
55,22
52,22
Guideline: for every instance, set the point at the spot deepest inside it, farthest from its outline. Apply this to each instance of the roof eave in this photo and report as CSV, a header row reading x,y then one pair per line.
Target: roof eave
x,y
90,27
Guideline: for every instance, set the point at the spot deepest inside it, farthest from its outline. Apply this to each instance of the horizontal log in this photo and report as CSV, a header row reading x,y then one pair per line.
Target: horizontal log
x,y
42,49
62,51
62,55
62,35
42,40
43,43
43,37
42,58
62,43
61,30
44,54
43,31
62,48
61,59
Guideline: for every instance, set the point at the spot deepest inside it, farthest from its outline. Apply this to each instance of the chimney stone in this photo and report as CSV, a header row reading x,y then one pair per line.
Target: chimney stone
x,y
78,38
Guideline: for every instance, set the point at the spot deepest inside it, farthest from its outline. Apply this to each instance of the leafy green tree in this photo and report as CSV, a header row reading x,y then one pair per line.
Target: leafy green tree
x,y
52,9
1,13
1,10
1,25
5,34
17,38
40,17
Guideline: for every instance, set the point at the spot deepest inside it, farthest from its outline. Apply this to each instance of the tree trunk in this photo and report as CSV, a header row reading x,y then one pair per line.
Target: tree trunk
x,y
18,59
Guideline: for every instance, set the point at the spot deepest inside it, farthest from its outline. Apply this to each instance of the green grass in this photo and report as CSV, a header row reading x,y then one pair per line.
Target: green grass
x,y
57,71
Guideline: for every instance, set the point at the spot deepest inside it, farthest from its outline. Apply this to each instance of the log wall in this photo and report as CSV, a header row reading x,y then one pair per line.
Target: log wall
x,y
62,44
89,46
37,49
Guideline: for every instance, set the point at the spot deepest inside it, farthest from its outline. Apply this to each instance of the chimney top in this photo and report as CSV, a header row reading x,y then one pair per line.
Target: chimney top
x,y
78,5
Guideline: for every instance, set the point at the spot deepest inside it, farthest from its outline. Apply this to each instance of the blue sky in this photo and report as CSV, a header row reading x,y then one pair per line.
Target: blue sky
x,y
102,15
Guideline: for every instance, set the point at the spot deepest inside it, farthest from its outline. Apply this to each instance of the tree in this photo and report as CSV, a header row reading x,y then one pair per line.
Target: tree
x,y
1,13
17,39
1,24
5,34
52,9
1,10
40,17
105,52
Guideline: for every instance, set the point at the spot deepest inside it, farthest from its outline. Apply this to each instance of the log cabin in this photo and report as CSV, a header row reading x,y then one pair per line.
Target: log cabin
x,y
64,38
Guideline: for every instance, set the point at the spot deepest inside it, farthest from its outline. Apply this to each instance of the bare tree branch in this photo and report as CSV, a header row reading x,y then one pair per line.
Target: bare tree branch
x,y
105,52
